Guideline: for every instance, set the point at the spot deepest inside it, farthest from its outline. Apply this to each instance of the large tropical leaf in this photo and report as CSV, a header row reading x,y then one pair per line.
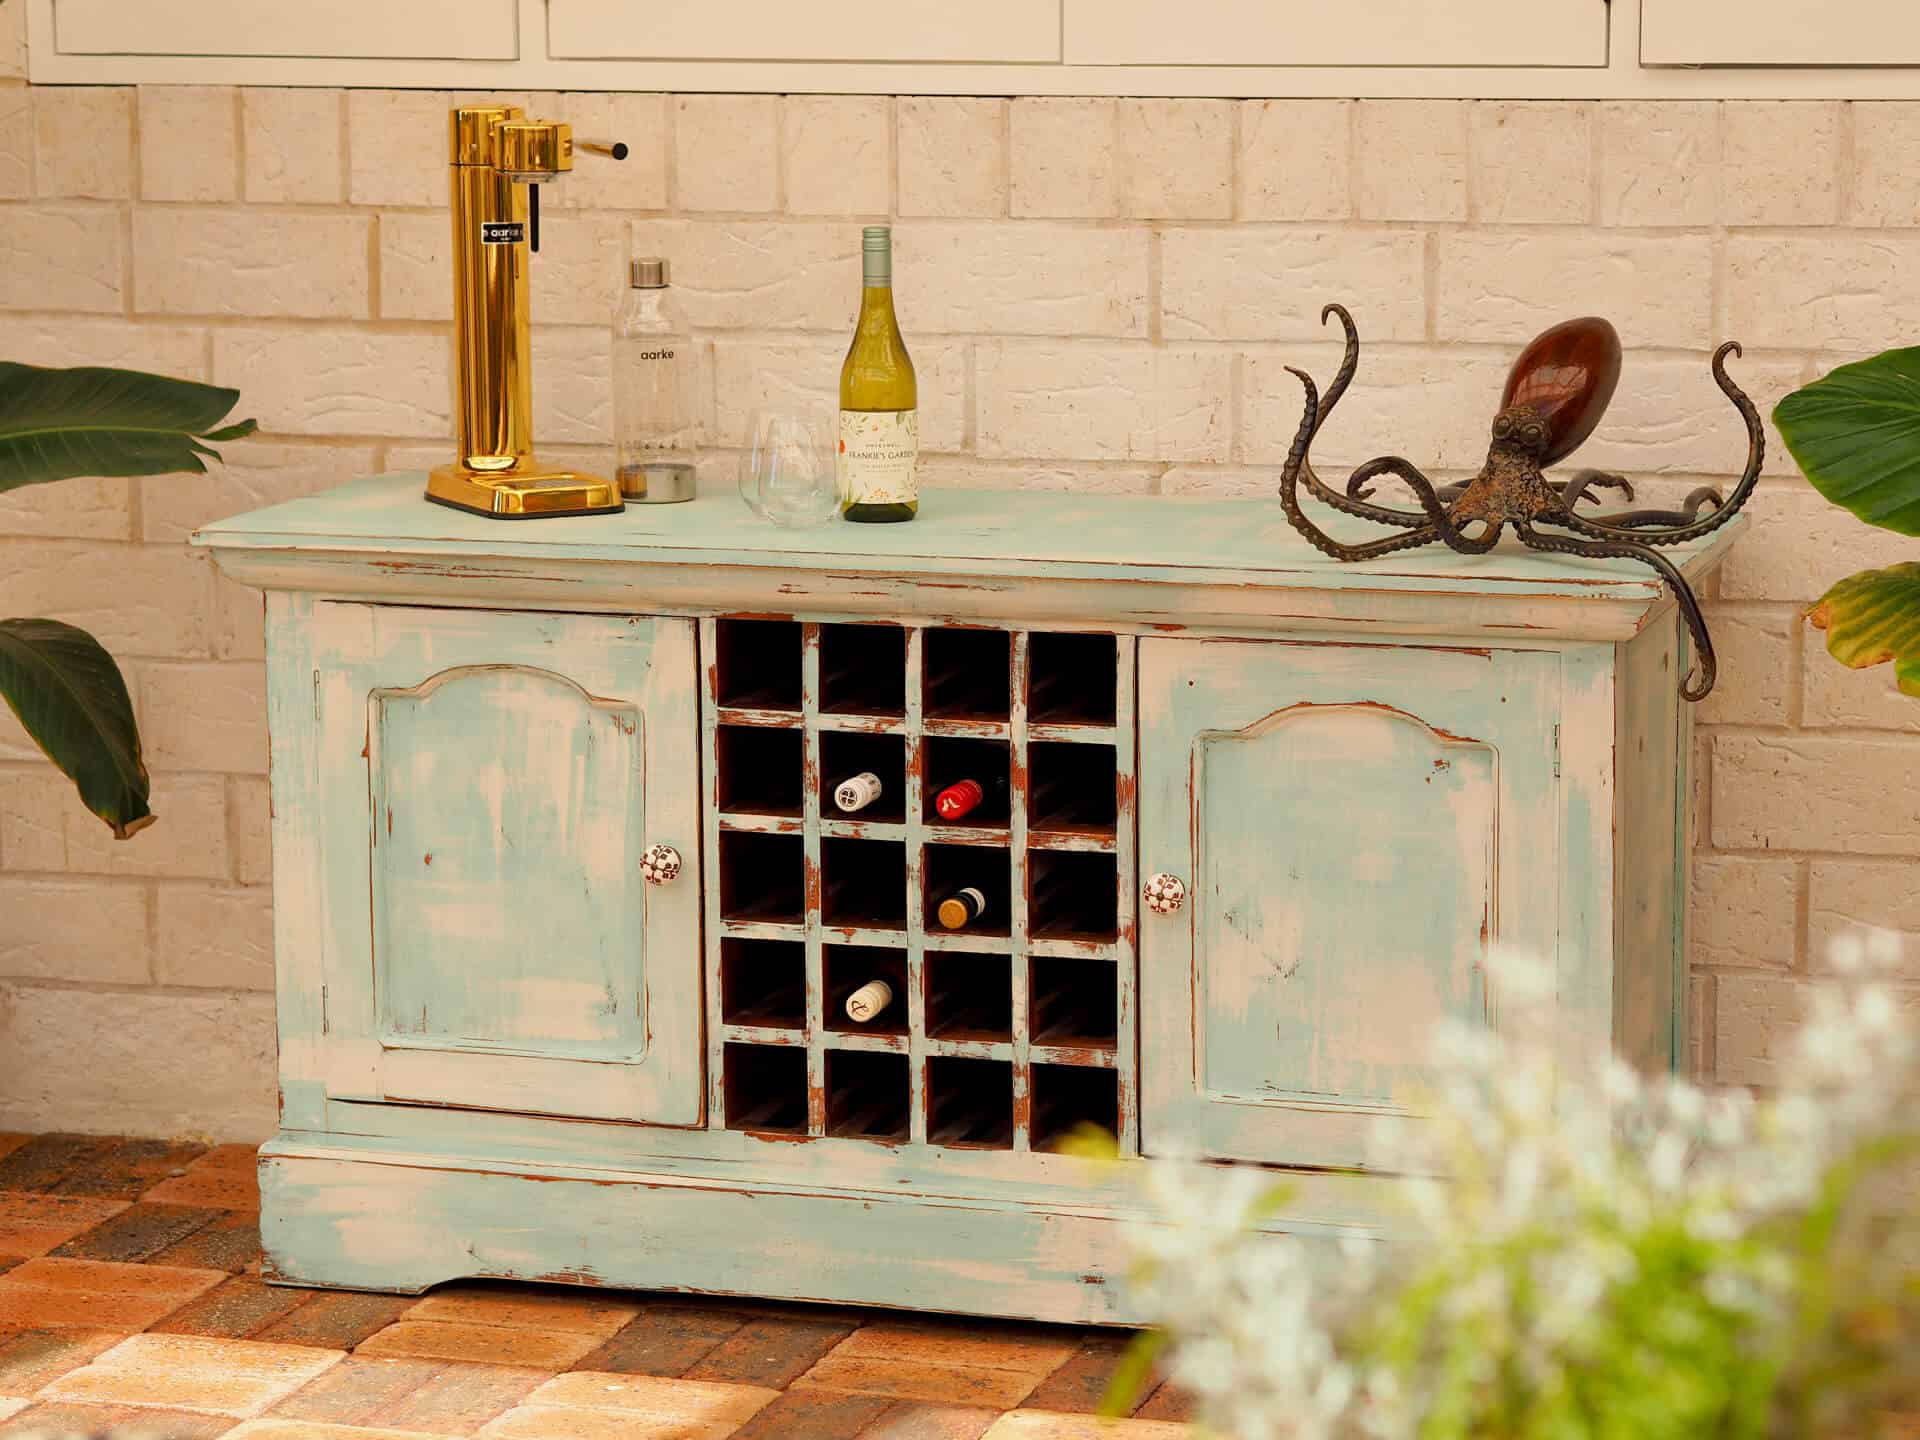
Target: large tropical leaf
x,y
1856,434
56,424
68,693
1874,617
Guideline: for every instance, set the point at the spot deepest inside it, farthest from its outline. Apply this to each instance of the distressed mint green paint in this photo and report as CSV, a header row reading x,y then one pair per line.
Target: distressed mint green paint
x,y
488,784
1356,833
1650,1004
498,1064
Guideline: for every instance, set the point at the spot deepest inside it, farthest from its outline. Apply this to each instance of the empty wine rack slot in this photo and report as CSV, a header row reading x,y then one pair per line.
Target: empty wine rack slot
x,y
922,928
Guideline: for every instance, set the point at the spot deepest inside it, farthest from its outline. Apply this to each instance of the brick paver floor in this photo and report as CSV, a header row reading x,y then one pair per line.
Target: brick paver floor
x,y
130,1299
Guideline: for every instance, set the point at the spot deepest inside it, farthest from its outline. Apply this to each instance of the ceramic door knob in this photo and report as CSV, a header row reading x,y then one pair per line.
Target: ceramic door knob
x,y
660,864
1165,893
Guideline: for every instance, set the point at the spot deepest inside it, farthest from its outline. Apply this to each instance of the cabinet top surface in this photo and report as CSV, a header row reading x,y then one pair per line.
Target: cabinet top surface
x,y
989,533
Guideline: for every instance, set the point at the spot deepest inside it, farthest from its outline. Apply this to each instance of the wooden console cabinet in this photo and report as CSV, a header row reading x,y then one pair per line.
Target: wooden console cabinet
x,y
517,1039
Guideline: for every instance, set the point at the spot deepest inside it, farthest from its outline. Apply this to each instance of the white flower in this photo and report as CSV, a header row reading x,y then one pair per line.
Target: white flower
x,y
1528,1196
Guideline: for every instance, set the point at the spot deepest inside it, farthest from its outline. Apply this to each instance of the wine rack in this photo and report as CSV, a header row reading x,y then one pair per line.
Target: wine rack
x,y
1004,1035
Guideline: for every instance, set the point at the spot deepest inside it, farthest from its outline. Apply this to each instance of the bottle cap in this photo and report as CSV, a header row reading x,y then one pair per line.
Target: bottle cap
x,y
953,913
648,274
876,255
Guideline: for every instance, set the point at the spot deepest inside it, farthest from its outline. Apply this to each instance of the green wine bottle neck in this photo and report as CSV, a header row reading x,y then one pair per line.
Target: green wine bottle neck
x,y
876,311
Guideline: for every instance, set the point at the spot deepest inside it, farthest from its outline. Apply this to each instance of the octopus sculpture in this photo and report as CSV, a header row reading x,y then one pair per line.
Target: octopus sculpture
x,y
1555,395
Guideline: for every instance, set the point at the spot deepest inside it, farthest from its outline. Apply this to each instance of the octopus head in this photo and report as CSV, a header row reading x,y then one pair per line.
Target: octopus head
x,y
1520,430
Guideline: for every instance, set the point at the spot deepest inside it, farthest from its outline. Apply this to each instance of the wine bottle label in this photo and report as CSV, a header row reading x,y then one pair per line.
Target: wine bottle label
x,y
869,1000
959,799
857,792
962,908
878,459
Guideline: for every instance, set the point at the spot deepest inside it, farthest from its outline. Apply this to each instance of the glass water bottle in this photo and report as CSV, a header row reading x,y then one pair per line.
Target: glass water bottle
x,y
653,424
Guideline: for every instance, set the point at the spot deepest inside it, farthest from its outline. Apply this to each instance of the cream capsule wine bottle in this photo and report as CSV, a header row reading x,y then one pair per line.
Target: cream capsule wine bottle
x,y
878,454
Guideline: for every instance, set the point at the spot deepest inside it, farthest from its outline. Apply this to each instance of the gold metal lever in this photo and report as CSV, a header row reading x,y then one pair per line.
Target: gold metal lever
x,y
495,151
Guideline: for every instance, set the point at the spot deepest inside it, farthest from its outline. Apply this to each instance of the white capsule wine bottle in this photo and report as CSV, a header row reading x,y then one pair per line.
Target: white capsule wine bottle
x,y
878,454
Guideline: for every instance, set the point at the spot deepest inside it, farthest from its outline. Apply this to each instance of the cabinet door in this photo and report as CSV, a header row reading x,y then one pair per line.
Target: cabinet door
x,y
1779,32
1360,32
925,30
345,29
488,783
1355,825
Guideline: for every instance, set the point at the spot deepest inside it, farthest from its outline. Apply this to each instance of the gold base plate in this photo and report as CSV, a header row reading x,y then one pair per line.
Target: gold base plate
x,y
524,493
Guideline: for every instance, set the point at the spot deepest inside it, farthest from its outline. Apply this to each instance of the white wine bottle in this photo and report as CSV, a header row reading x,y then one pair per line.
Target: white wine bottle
x,y
878,454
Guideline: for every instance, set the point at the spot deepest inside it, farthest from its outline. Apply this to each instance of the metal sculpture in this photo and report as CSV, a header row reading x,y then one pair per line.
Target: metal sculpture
x,y
1553,398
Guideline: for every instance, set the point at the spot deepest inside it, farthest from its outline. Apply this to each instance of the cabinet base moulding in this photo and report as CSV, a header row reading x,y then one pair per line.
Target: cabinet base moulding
x,y
402,1223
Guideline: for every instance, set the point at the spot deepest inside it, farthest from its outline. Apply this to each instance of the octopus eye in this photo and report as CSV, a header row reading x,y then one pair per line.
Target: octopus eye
x,y
1502,427
1536,433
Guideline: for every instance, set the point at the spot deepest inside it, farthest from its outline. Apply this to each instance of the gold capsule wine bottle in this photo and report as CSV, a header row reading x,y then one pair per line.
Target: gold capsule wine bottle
x,y
878,455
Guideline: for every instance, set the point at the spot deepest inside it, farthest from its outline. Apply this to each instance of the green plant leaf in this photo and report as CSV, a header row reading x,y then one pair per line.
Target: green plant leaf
x,y
68,693
1856,435
1874,617
56,424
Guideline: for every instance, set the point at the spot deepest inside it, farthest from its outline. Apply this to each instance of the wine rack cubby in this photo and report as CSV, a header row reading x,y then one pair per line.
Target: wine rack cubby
x,y
1004,1034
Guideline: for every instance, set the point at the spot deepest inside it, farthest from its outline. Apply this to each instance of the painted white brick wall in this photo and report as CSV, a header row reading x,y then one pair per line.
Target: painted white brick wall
x,y
1101,294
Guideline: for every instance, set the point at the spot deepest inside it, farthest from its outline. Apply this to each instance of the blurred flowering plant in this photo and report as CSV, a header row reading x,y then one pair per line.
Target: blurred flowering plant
x,y
1606,1256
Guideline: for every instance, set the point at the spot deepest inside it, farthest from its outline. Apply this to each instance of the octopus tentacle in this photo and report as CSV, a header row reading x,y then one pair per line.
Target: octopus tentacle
x,y
1348,504
1582,483
1610,527
1290,476
1699,683
1686,515
1437,514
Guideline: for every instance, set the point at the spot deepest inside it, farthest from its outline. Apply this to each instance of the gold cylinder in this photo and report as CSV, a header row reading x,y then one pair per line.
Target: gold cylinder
x,y
534,149
490,332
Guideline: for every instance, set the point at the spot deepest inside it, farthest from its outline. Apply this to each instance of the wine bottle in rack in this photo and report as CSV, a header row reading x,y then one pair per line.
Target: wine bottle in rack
x,y
857,792
962,908
963,797
869,1001
878,453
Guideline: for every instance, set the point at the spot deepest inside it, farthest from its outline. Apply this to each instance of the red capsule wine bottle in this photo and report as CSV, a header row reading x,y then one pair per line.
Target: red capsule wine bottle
x,y
963,797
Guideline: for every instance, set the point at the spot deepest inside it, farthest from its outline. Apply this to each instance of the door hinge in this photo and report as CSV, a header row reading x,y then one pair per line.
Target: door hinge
x,y
316,694
1556,752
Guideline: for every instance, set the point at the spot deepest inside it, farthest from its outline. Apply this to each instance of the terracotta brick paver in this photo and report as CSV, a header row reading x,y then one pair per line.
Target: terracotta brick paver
x,y
131,1296
1045,1425
32,1359
356,1390
97,1294
666,1340
33,1224
139,1232
588,1404
523,1306
481,1344
234,1310
58,1418
913,1420
215,1187
336,1319
231,1242
188,1372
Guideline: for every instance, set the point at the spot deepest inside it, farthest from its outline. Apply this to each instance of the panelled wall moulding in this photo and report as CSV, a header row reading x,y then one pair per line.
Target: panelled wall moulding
x,y
1492,49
